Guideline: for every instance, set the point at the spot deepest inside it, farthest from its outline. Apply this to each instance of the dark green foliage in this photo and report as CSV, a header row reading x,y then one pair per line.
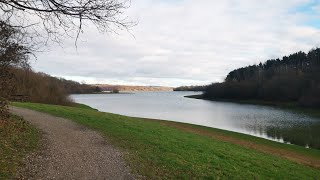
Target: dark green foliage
x,y
73,87
190,88
116,91
292,78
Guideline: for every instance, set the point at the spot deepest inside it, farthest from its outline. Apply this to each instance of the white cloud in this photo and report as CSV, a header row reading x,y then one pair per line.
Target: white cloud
x,y
185,42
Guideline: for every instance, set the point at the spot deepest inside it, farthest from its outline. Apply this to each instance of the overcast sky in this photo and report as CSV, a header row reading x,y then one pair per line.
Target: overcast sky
x,y
187,42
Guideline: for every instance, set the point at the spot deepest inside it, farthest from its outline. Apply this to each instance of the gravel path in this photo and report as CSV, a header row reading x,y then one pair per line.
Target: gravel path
x,y
70,151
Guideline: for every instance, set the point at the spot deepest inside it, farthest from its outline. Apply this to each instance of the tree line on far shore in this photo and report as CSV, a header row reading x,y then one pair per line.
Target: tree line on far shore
x,y
294,78
190,88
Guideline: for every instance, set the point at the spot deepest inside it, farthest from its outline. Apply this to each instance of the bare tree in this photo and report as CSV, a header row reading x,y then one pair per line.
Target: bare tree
x,y
67,17
15,49
57,18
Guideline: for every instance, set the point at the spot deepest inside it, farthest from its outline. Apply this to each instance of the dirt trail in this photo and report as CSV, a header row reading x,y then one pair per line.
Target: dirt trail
x,y
70,151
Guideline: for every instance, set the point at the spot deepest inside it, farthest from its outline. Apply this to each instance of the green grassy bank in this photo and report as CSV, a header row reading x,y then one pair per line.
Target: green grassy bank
x,y
17,139
173,150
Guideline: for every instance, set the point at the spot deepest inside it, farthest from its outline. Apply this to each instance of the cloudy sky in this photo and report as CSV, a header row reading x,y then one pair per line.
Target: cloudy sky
x,y
187,42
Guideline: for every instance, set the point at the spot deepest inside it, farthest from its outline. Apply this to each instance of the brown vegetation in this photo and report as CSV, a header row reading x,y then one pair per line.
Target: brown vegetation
x,y
39,87
124,88
14,53
43,88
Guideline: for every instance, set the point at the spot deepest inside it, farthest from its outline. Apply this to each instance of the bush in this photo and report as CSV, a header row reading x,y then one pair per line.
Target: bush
x,y
115,91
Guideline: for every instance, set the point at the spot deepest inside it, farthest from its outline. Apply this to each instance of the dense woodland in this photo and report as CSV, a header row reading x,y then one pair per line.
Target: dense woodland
x,y
190,88
294,78
43,88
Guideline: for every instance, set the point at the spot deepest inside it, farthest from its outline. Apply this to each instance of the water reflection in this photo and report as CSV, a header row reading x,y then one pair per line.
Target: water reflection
x,y
288,128
261,121
302,135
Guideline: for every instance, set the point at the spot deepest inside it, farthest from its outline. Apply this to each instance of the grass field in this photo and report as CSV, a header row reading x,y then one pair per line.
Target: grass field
x,y
173,150
17,139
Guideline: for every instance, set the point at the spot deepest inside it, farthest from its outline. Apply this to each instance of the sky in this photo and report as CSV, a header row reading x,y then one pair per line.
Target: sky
x,y
186,42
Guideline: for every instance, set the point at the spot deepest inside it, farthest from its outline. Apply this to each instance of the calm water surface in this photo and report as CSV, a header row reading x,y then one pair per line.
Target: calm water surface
x,y
262,121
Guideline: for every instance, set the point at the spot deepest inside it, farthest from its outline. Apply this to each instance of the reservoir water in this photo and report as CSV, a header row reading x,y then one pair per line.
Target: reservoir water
x,y
262,121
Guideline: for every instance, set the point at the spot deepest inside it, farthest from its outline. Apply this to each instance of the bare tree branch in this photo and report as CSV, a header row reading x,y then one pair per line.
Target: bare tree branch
x,y
60,17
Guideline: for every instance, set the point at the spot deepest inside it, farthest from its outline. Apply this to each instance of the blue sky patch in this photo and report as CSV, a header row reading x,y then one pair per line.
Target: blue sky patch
x,y
310,9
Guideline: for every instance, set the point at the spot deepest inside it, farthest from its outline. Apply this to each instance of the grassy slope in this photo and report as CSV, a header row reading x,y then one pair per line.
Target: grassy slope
x,y
17,138
158,150
312,153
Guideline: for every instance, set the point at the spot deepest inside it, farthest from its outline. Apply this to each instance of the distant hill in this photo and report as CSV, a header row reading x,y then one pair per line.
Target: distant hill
x,y
125,88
